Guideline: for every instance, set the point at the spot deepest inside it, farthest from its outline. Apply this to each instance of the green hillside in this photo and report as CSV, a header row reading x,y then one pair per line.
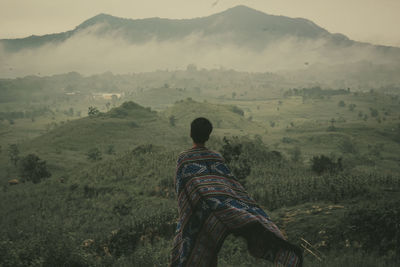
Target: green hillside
x,y
122,128
227,119
117,207
121,212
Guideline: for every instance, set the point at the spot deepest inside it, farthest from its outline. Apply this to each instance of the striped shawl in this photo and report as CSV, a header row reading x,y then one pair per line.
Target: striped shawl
x,y
213,204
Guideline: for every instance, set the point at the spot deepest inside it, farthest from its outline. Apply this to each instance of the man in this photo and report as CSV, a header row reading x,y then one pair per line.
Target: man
x,y
212,204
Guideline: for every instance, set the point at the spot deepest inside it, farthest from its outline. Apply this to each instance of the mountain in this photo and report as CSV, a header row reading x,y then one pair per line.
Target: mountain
x,y
239,25
239,38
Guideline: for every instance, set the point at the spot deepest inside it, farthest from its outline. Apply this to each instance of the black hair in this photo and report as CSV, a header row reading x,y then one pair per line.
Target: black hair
x,y
200,130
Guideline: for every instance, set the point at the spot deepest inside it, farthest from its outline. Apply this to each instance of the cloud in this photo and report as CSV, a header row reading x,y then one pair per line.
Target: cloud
x,y
87,53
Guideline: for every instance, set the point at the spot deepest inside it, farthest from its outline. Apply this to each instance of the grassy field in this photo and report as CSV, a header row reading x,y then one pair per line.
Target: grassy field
x,y
110,200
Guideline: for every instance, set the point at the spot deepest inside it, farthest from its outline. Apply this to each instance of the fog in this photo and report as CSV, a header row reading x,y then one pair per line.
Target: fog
x,y
88,54
373,21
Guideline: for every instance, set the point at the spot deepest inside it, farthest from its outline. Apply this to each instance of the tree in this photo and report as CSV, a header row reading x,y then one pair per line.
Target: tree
x,y
13,153
341,103
33,169
93,111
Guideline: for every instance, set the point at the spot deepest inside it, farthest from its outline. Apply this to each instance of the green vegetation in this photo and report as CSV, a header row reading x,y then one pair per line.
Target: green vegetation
x,y
315,167
33,169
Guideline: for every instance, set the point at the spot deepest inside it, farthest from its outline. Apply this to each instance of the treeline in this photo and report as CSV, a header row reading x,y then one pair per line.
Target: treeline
x,y
315,92
35,112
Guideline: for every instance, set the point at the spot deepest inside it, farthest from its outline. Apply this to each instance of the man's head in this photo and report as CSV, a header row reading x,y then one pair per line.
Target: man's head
x,y
200,130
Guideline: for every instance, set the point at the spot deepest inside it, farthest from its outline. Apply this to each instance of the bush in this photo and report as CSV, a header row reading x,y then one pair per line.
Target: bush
x,y
240,166
33,169
237,110
376,226
93,111
322,163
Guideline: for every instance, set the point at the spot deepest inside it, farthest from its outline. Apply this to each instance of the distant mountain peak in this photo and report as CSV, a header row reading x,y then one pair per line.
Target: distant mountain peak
x,y
242,8
100,18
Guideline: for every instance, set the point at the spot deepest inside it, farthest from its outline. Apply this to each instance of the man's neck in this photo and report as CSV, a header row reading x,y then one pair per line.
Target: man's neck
x,y
196,145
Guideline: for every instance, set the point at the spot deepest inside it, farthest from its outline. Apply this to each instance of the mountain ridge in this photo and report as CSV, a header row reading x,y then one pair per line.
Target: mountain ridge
x,y
239,38
247,26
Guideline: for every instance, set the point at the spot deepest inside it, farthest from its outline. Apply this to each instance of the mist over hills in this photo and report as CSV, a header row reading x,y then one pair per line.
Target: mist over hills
x,y
240,38
241,25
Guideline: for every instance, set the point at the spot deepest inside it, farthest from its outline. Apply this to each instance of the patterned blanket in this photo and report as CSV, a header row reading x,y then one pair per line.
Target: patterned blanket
x,y
213,204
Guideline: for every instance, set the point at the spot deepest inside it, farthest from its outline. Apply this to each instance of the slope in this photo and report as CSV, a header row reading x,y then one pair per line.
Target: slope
x,y
118,130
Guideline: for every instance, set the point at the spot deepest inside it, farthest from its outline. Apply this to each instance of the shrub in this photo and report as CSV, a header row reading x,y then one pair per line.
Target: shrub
x,y
33,169
240,166
237,110
322,163
93,111
376,226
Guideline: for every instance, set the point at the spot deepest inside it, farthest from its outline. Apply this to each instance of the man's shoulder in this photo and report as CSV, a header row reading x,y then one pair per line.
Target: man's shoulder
x,y
199,153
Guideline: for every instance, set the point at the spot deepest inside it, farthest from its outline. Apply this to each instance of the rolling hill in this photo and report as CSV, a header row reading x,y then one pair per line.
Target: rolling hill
x,y
121,129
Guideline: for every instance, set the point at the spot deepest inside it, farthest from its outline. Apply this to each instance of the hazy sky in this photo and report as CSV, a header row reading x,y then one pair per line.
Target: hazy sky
x,y
375,21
